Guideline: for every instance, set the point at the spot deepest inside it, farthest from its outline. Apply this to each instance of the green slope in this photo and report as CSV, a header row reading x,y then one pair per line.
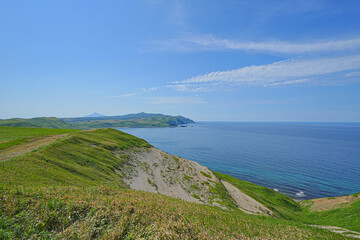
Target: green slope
x,y
179,119
107,213
40,122
281,205
347,215
10,136
129,120
72,189
84,159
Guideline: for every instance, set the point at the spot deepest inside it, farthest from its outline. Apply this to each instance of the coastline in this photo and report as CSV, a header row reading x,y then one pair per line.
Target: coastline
x,y
272,157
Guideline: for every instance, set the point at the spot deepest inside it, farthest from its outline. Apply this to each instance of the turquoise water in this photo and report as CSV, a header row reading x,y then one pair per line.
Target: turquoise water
x,y
302,160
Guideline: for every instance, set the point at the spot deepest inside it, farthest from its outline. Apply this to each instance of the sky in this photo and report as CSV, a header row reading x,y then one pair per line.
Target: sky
x,y
218,60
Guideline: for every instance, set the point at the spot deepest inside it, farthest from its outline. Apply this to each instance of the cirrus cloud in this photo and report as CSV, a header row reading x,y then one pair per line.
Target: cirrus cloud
x,y
210,42
293,71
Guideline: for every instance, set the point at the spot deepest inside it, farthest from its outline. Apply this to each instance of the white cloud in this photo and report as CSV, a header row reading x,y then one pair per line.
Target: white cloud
x,y
176,100
136,92
293,71
353,74
124,95
150,89
289,82
209,42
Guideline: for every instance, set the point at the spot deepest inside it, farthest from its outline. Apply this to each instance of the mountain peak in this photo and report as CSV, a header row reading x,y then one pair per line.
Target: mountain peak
x,y
95,114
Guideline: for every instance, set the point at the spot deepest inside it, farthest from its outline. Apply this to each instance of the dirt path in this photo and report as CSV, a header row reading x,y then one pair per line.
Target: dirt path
x,y
246,203
342,231
23,148
323,204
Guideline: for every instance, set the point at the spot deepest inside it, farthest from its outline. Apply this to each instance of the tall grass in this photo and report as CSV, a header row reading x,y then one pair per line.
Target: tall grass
x,y
281,205
107,213
344,216
10,136
71,189
83,159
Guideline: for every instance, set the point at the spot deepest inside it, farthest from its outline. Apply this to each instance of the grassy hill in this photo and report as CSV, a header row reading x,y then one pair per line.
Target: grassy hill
x,y
282,206
129,120
40,122
10,136
341,211
84,123
71,189
83,159
132,116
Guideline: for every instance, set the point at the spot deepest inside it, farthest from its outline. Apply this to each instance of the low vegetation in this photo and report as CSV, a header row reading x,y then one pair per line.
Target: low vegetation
x,y
346,214
281,205
205,174
40,122
71,189
83,159
222,193
129,120
68,212
10,136
84,123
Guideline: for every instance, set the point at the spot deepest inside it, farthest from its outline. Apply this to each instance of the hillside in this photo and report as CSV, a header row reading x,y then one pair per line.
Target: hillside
x,y
12,136
129,120
95,114
40,122
94,121
341,211
78,186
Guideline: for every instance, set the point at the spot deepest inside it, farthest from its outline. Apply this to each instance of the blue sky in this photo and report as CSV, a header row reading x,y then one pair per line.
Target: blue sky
x,y
206,60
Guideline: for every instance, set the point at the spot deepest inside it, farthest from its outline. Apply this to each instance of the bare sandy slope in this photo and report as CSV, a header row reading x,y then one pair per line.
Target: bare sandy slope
x,y
246,203
152,170
323,204
23,148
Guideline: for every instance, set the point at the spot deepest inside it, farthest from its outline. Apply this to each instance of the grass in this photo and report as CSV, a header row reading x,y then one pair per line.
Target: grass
x,y
70,189
285,208
10,136
195,187
222,193
281,205
85,123
130,120
40,122
107,213
152,184
187,178
346,216
115,123
83,159
205,174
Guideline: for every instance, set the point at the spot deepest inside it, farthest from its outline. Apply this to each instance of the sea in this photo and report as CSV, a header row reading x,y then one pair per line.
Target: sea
x,y
301,160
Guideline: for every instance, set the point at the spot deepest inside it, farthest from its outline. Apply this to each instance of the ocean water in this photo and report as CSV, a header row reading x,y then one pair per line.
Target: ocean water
x,y
302,160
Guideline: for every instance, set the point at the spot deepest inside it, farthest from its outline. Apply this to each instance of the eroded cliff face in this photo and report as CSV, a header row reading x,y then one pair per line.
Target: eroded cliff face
x,y
152,170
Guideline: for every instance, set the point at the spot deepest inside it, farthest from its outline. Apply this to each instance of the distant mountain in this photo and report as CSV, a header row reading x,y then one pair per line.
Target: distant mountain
x,y
97,120
95,114
129,120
